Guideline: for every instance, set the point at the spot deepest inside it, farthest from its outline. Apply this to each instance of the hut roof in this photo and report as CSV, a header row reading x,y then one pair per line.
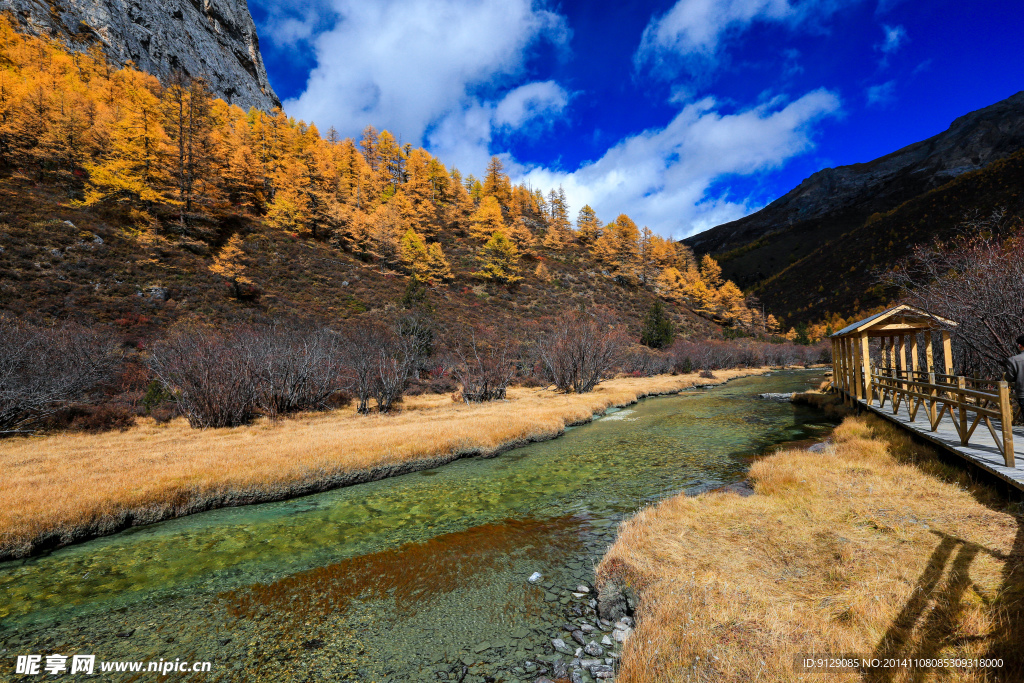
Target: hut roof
x,y
905,319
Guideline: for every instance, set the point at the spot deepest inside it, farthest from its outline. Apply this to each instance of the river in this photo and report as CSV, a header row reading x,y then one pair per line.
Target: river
x,y
411,578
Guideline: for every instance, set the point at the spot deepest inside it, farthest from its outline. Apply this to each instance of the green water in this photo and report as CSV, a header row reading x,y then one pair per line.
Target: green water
x,y
410,578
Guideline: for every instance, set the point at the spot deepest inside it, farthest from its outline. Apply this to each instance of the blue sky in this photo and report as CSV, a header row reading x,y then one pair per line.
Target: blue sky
x,y
681,114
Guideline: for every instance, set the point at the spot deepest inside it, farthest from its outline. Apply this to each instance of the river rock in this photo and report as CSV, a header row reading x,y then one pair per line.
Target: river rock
x,y
605,640
781,398
578,636
593,649
560,646
535,577
577,676
582,589
602,671
587,628
620,634
615,601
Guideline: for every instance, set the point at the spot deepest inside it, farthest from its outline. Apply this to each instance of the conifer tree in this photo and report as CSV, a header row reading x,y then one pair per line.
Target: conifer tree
x,y
487,219
588,227
559,232
438,268
412,252
496,183
187,105
499,260
134,169
710,272
657,331
228,264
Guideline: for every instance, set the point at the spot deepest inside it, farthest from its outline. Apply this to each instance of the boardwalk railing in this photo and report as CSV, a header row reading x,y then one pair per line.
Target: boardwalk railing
x,y
967,401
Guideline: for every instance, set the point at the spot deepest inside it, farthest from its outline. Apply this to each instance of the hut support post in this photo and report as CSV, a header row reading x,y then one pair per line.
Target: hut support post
x,y
865,354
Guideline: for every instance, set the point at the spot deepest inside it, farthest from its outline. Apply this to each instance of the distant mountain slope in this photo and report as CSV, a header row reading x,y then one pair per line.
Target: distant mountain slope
x,y
841,274
832,202
213,39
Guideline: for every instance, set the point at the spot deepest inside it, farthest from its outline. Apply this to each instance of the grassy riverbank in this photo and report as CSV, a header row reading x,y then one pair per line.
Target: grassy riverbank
x,y
873,548
63,488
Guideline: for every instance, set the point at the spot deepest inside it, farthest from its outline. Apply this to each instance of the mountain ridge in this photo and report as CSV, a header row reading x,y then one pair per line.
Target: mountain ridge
x,y
847,195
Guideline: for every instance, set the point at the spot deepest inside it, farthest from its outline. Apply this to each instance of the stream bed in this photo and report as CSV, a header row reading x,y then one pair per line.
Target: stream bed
x,y
422,577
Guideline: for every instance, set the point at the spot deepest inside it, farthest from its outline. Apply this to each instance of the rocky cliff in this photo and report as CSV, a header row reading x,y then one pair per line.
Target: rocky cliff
x,y
836,199
214,39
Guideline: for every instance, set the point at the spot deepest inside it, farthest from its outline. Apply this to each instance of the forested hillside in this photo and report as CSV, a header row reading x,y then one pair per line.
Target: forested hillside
x,y
129,202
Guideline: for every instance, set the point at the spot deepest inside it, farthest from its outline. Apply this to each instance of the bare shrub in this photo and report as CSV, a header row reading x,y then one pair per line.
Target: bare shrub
x,y
641,361
381,360
482,364
298,366
977,282
214,379
581,349
43,370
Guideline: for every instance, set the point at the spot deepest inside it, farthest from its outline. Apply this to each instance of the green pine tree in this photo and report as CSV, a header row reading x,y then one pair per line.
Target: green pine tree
x,y
657,330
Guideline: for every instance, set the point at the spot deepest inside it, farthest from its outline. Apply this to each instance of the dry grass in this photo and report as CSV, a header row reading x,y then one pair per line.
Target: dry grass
x,y
874,548
62,488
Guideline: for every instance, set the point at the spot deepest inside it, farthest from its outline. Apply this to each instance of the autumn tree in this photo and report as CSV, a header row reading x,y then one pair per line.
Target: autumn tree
x,y
588,226
559,232
499,260
412,252
438,268
487,219
228,264
187,105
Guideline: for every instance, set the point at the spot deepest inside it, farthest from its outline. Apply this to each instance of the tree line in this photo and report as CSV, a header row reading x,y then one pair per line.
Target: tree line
x,y
172,154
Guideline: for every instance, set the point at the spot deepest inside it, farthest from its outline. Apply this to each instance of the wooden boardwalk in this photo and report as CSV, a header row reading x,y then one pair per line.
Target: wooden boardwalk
x,y
982,449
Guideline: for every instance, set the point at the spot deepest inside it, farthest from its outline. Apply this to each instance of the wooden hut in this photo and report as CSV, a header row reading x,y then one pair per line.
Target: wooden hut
x,y
898,328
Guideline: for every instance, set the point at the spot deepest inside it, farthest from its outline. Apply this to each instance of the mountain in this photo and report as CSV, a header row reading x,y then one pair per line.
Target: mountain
x,y
832,204
212,39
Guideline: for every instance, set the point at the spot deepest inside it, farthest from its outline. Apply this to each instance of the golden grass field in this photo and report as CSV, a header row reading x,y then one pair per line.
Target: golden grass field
x,y
60,488
873,548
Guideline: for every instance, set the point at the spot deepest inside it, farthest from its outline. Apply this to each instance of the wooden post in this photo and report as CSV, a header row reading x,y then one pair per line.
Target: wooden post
x,y
865,353
834,363
858,381
933,392
947,352
961,383
913,356
1006,417
846,370
929,356
903,359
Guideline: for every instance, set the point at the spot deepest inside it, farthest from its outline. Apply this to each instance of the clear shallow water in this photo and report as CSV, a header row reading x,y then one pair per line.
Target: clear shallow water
x,y
402,579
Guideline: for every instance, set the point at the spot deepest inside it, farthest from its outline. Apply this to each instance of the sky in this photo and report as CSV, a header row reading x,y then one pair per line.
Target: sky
x,y
683,115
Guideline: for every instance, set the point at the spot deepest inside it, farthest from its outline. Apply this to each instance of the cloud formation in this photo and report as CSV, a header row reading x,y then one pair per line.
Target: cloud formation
x,y
410,65
895,36
662,177
696,28
881,95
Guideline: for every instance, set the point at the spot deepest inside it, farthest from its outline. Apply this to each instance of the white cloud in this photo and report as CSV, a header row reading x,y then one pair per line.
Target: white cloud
x,y
414,66
662,177
695,28
895,36
531,101
882,94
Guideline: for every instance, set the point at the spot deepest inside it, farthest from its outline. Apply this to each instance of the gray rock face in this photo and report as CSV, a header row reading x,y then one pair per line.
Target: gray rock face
x,y
213,39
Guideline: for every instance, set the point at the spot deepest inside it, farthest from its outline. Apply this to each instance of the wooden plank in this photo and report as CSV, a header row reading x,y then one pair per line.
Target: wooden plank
x,y
858,374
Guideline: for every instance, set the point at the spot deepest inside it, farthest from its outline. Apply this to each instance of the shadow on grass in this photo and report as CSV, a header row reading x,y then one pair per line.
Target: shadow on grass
x,y
926,624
